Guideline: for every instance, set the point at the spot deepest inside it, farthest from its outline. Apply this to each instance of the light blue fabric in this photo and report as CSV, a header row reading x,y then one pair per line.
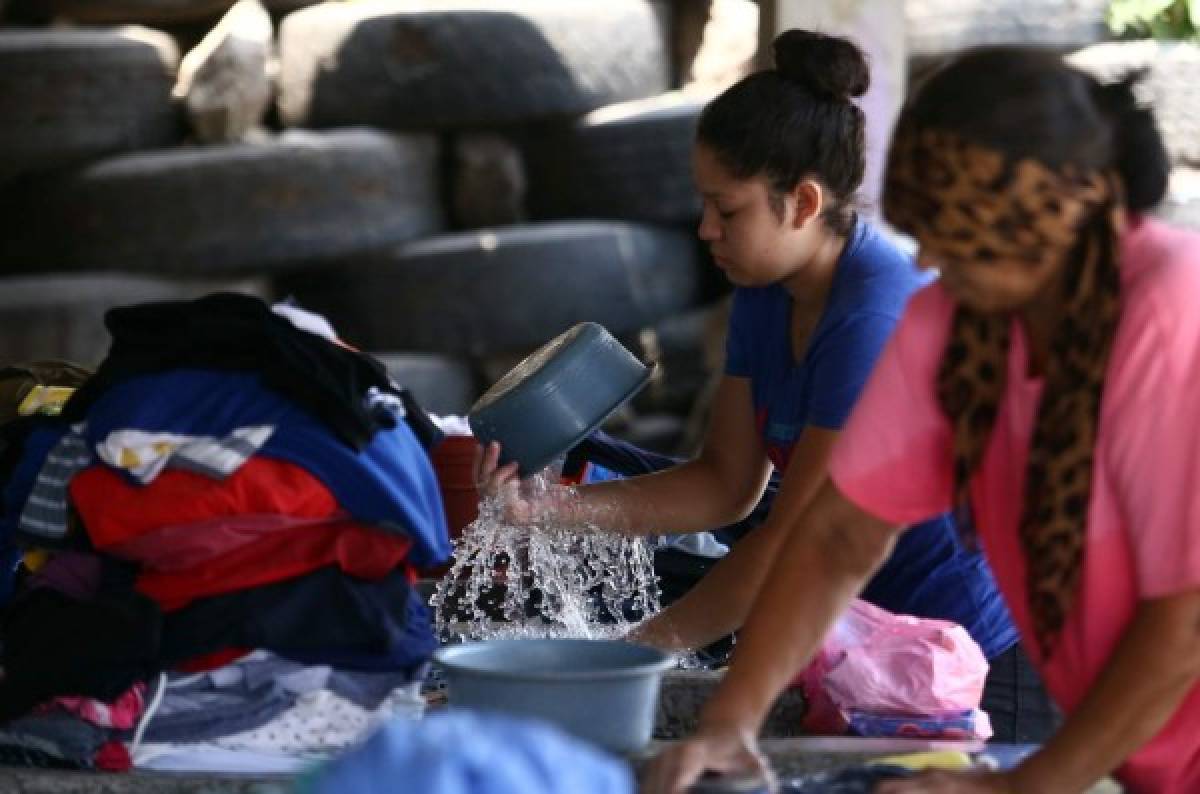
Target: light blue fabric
x,y
460,752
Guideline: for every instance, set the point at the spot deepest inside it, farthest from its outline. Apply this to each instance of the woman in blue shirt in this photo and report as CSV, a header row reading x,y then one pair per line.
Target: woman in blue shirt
x,y
777,161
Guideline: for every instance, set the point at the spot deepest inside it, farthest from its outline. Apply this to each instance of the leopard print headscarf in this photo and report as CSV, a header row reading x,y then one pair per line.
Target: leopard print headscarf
x,y
971,206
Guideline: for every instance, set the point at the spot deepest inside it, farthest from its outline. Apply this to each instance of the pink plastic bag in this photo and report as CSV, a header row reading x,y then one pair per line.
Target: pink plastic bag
x,y
876,663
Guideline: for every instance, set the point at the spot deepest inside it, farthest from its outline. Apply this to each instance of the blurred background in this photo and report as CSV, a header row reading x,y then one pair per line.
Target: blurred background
x,y
450,183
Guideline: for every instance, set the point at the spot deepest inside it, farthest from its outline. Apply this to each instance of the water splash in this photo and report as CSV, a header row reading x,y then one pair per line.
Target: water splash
x,y
544,580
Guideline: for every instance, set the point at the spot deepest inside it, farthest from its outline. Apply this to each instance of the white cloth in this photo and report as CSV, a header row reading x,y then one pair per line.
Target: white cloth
x,y
319,726
452,425
698,544
306,320
145,454
322,724
209,758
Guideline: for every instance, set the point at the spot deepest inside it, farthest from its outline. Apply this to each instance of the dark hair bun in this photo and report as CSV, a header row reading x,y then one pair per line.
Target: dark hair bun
x,y
1140,156
830,66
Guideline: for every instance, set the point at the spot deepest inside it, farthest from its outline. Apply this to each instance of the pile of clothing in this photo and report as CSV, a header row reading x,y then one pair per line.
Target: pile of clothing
x,y
210,545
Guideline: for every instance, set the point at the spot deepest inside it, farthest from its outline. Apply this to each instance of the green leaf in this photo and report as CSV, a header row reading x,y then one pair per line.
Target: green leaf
x,y
1153,8
1160,19
1134,17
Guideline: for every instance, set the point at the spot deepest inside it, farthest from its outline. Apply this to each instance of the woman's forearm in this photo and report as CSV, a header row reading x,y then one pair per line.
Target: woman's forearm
x,y
719,487
811,582
1154,666
690,497
720,602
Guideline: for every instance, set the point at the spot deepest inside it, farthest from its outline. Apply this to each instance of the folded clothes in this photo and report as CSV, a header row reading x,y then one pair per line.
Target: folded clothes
x,y
57,645
190,515
240,333
322,724
304,618
241,701
360,551
390,483
145,455
122,713
971,724
60,739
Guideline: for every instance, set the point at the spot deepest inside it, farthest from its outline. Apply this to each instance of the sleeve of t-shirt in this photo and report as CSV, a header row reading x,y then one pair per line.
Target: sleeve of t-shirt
x,y
841,366
894,456
1154,449
738,339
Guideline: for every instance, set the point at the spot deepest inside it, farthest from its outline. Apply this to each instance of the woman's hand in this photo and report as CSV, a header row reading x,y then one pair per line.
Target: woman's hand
x,y
722,751
500,484
521,504
970,781
656,633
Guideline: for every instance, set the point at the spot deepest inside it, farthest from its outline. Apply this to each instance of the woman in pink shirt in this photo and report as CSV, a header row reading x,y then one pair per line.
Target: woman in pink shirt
x,y
1048,387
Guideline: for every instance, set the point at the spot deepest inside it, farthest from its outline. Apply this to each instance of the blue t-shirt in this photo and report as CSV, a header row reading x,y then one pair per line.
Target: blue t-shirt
x,y
929,573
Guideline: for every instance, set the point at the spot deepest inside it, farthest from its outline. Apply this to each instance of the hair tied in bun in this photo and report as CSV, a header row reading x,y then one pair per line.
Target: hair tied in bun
x,y
829,66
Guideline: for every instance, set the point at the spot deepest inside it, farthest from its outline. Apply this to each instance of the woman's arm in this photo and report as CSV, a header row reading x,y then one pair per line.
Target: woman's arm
x,y
1155,664
721,486
824,562
720,602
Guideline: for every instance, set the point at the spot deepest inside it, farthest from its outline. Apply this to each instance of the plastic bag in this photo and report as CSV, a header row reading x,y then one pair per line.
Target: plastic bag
x,y
875,664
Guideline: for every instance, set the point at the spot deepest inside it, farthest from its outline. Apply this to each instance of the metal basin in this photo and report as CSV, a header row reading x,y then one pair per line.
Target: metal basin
x,y
604,691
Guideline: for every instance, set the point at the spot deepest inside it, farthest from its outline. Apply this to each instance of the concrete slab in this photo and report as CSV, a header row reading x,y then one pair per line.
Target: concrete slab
x,y
45,781
789,757
684,693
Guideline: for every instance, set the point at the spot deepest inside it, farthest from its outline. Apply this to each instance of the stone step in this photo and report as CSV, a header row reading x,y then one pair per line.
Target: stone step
x,y
1182,205
1172,85
684,693
937,28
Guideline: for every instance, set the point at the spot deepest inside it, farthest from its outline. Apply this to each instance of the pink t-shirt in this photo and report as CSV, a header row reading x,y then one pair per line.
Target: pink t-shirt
x,y
1143,536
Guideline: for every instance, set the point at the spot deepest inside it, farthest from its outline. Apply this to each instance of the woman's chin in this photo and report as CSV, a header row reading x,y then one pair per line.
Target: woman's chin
x,y
987,305
741,279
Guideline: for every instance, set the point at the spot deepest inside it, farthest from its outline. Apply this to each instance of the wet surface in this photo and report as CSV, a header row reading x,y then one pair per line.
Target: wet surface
x,y
791,758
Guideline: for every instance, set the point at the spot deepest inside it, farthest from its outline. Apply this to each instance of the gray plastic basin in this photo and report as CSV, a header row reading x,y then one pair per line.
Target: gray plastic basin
x,y
557,396
603,691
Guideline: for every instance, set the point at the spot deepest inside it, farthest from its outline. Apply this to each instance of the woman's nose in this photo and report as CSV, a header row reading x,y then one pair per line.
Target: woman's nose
x,y
710,226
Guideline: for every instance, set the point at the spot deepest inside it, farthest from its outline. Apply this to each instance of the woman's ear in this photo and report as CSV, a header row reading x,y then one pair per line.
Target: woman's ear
x,y
809,199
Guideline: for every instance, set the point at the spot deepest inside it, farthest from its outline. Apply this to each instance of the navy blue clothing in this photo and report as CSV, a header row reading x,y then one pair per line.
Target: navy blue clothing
x,y
871,286
323,617
929,573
